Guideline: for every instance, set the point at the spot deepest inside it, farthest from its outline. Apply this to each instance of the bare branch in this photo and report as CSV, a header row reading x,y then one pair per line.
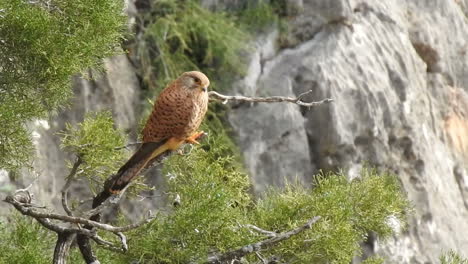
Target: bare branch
x,y
70,178
108,245
123,240
264,261
71,219
273,99
45,222
255,247
262,231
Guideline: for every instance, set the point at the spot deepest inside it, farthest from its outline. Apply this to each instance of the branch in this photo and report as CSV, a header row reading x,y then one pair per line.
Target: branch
x,y
128,145
273,99
70,178
262,231
110,246
255,247
62,247
71,219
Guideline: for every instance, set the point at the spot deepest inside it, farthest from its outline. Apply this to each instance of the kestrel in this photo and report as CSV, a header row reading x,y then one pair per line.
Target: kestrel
x,y
176,116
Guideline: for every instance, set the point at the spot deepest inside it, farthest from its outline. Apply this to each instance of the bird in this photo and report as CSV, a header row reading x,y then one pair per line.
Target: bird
x,y
176,116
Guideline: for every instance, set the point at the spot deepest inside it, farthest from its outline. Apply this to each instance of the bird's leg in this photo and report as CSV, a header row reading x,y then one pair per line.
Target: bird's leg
x,y
193,138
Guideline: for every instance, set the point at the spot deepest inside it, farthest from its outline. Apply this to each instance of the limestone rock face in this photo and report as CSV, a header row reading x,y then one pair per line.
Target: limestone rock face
x,y
398,73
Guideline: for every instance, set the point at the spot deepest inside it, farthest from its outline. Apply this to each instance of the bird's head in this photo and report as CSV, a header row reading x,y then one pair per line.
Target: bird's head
x,y
194,80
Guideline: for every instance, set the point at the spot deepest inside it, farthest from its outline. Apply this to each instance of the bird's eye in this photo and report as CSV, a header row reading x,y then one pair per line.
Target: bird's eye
x,y
197,80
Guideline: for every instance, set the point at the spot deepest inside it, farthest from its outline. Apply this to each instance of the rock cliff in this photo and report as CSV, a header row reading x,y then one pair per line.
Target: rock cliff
x,y
398,73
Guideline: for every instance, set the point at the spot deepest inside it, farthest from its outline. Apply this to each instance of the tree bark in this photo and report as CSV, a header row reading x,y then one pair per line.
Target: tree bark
x,y
62,247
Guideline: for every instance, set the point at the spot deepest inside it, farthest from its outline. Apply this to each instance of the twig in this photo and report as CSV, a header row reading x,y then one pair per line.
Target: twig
x,y
255,247
264,261
128,145
262,231
123,240
70,178
27,197
107,245
100,208
116,148
273,99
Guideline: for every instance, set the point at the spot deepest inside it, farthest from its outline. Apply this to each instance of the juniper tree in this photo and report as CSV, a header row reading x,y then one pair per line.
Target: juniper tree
x,y
42,43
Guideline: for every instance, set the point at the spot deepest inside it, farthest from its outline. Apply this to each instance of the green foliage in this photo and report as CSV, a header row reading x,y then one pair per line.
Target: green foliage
x,y
258,16
185,36
215,207
349,210
452,257
24,241
15,141
95,140
182,36
42,43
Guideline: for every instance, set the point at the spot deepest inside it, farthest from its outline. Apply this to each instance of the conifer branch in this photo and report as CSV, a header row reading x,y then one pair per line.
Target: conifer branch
x,y
236,254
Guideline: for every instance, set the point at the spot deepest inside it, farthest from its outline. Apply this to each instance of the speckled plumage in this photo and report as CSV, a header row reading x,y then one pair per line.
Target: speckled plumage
x,y
176,116
178,111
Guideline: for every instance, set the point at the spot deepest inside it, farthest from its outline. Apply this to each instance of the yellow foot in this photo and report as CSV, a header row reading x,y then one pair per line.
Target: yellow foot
x,y
193,138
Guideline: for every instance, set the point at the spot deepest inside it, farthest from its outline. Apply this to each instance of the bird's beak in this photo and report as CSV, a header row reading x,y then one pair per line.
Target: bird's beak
x,y
204,89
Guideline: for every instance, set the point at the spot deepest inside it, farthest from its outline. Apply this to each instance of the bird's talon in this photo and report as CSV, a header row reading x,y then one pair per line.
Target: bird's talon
x,y
193,139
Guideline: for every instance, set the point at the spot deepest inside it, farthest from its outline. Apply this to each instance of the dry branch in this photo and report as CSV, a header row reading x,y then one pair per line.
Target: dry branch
x,y
110,246
69,179
24,209
236,254
262,231
273,99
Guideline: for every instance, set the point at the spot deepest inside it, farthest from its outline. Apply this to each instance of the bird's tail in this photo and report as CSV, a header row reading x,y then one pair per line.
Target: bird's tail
x,y
139,160
143,156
